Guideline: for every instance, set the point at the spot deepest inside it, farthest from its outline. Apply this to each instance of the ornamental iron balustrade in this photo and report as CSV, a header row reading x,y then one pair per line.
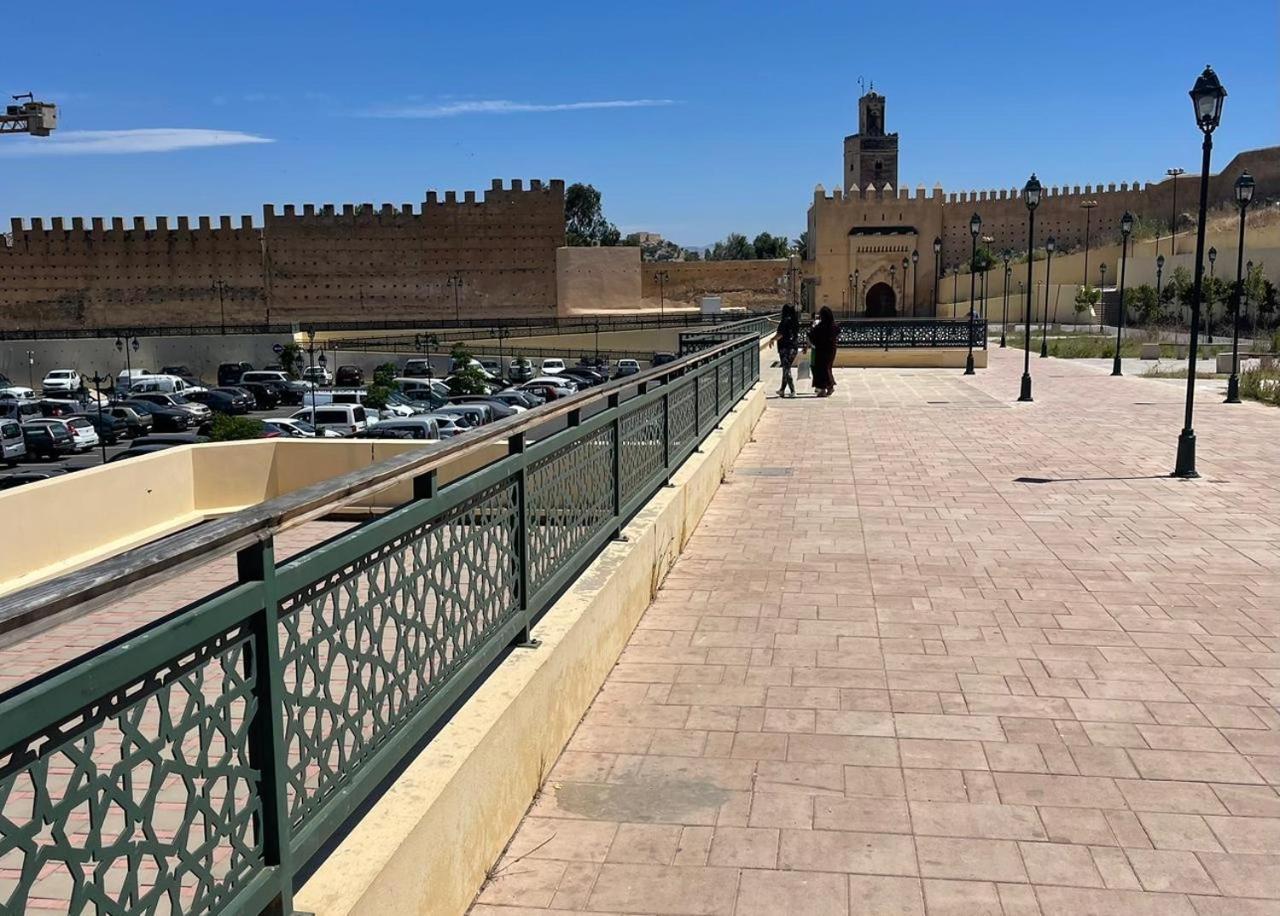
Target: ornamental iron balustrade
x,y
894,334
693,341
199,763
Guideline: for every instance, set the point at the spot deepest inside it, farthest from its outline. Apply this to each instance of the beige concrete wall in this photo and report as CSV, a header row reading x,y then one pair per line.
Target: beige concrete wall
x,y
426,845
597,279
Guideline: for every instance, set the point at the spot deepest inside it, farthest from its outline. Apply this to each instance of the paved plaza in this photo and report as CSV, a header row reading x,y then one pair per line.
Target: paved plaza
x,y
931,650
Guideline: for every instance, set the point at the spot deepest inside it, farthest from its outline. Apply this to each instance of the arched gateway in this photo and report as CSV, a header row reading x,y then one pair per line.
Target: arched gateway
x,y
881,302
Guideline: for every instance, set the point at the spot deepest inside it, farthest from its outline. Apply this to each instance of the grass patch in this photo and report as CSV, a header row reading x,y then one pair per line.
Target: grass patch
x,y
1177,373
1261,385
1096,346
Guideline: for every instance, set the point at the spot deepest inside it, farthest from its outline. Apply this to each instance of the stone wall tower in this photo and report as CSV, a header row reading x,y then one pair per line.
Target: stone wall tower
x,y
871,155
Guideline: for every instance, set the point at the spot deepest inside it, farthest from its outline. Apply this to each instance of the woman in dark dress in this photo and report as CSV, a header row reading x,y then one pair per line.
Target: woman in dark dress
x,y
822,335
788,340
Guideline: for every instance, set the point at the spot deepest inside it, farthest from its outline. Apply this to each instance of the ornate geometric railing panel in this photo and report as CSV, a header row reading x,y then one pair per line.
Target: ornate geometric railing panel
x,y
143,802
569,498
366,646
917,332
681,421
195,766
642,440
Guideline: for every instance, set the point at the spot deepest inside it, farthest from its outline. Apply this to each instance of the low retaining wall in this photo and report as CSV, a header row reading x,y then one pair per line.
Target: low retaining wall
x,y
427,844
909,358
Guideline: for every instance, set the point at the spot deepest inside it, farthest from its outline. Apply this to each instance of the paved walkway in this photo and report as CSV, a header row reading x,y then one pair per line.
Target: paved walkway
x,y
890,676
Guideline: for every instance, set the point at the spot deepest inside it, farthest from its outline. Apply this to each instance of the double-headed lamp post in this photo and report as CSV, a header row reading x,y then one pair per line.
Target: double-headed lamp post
x,y
975,227
1050,246
1159,276
1031,197
937,271
915,279
1207,96
1126,226
1005,256
1244,195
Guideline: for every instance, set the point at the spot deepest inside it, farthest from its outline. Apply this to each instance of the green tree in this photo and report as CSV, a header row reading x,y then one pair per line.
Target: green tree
x,y
227,428
1087,297
983,259
1213,293
584,222
768,246
378,396
1142,304
467,378
734,247
692,254
800,246
385,376
291,359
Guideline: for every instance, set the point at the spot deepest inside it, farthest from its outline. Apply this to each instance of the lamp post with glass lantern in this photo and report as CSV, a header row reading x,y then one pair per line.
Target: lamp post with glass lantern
x,y
1004,320
1102,286
1031,197
1087,206
1208,312
905,264
893,278
955,286
975,226
1050,246
1244,194
1126,226
857,280
1173,216
1207,96
937,272
915,279
1159,275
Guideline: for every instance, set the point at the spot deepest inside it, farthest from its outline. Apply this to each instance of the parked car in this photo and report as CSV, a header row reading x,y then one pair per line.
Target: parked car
x,y
219,401
62,381
548,391
162,384
44,439
320,375
266,396
109,429
421,388
243,400
293,391
456,366
520,370
184,373
20,409
552,366
448,425
230,373
511,397
30,475
345,419
83,432
199,412
586,378
350,376
128,377
59,407
499,409
475,414
492,366
419,367
149,448
597,363
12,445
136,422
163,418
627,367
290,428
662,358
416,428
560,381
11,392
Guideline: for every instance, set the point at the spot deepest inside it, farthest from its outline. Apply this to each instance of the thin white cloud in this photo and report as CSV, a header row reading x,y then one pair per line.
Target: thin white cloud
x,y
143,140
506,107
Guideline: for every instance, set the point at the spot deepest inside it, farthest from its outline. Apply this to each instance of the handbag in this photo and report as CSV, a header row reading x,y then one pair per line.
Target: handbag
x,y
804,370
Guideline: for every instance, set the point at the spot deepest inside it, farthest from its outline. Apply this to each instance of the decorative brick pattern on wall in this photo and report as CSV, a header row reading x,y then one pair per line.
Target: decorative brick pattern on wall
x,y
312,263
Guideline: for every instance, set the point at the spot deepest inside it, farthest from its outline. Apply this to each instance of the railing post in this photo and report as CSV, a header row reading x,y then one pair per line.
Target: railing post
x,y
697,407
666,429
267,754
515,447
424,485
613,403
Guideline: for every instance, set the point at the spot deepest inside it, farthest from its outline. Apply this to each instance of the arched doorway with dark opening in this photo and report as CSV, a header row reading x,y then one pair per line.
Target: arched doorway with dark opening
x,y
881,302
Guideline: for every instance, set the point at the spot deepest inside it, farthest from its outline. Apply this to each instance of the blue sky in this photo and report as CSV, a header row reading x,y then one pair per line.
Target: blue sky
x,y
694,119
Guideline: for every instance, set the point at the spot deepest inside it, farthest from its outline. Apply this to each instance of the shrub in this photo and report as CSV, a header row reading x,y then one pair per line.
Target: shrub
x,y
1261,385
385,376
231,429
378,395
291,360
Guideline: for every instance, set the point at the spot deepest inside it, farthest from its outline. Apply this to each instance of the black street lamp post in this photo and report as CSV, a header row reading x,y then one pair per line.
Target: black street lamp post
x,y
1004,320
1206,96
955,286
937,272
915,279
661,276
1102,286
222,305
857,281
1159,276
975,226
905,264
1244,194
124,345
455,281
1208,311
31,367
1173,215
1087,206
1031,197
893,278
1050,246
1126,226
102,434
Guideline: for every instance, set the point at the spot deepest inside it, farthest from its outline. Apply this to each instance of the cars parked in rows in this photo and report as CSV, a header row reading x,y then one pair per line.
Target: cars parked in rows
x,y
44,440
344,419
136,422
349,376
82,434
290,428
61,381
232,373
164,419
30,475
627,367
12,445
110,430
319,375
552,366
199,412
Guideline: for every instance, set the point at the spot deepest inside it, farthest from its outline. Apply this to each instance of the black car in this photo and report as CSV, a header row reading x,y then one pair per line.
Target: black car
x,y
239,396
379,432
47,440
141,449
586,378
661,359
30,475
219,401
349,377
109,429
164,418
170,439
501,409
229,373
266,395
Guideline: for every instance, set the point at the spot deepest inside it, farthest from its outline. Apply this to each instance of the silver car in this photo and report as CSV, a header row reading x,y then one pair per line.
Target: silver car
x,y
12,444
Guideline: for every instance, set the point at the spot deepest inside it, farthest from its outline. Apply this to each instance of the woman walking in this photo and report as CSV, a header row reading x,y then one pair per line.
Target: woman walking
x,y
822,335
787,339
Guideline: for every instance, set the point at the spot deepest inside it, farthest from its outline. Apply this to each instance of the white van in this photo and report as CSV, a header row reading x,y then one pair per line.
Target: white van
x,y
420,427
345,419
162,384
128,377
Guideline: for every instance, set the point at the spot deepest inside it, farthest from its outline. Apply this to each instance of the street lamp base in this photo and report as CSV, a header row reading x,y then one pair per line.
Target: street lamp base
x,y
1185,465
1115,367
1002,342
1233,390
1044,348
1025,394
968,365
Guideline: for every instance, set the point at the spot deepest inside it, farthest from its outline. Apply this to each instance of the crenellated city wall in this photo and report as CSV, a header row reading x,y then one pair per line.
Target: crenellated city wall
x,y
492,254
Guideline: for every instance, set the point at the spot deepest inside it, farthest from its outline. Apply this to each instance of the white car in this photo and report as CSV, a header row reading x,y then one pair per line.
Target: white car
x,y
344,419
560,381
17,393
298,429
552,366
62,381
318,374
83,435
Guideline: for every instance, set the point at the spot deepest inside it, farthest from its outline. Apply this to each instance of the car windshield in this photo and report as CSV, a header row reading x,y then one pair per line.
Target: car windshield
x,y
60,373
178,399
304,426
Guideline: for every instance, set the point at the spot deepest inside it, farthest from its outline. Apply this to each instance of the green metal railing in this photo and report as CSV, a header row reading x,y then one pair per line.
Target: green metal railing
x,y
198,764
693,341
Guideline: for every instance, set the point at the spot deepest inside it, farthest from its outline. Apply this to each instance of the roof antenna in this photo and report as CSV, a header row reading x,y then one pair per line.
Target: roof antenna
x,y
862,86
